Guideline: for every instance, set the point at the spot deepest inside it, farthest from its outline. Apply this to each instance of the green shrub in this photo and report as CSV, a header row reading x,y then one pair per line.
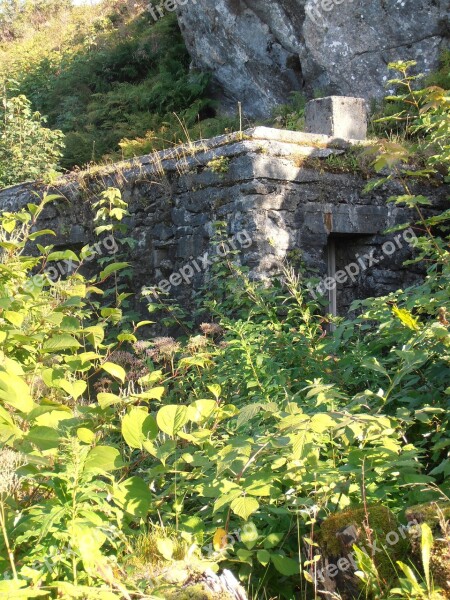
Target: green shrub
x,y
28,149
108,74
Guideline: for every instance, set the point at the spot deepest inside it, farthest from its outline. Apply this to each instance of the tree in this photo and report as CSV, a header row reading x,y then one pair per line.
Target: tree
x,y
28,149
15,15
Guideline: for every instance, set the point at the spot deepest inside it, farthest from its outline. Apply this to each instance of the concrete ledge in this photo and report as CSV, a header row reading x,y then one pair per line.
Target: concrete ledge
x,y
275,142
303,138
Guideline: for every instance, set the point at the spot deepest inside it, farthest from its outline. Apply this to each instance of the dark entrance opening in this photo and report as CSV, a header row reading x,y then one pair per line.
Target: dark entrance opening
x,y
350,270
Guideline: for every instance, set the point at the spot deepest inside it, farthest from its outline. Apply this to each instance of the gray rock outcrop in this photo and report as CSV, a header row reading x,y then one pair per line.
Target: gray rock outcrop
x,y
259,51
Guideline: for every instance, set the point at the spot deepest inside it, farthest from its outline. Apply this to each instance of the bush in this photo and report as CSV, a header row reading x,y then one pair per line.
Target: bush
x,y
28,149
108,73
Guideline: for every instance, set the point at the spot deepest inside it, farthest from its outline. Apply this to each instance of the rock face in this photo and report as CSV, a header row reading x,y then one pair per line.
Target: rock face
x,y
259,51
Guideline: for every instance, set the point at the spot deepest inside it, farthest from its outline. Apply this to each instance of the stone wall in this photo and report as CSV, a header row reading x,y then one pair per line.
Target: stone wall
x,y
274,205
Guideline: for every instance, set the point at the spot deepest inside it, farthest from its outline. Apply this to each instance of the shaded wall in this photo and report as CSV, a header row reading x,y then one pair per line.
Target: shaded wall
x,y
273,208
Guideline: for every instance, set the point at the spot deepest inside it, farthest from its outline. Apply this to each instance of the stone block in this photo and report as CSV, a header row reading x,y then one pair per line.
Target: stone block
x,y
337,116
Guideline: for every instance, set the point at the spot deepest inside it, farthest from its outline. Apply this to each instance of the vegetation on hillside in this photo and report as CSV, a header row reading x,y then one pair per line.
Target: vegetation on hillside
x,y
113,81
28,149
116,83
132,466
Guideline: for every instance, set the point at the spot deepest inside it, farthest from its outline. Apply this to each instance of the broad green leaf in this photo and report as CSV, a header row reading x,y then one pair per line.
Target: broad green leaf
x,y
8,224
126,337
69,324
14,590
15,392
245,556
87,539
87,436
36,234
113,314
166,548
54,418
45,438
153,394
285,565
14,317
137,427
249,535
370,362
225,498
244,507
75,389
68,591
172,418
63,255
164,451
113,268
247,413
263,557
105,400
201,410
215,390
273,539
134,496
52,377
103,459
115,370
12,366
95,334
59,342
322,422
259,484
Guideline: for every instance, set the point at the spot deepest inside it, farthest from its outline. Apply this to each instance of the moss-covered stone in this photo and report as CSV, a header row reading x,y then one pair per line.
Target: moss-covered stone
x,y
437,516
386,543
430,513
196,592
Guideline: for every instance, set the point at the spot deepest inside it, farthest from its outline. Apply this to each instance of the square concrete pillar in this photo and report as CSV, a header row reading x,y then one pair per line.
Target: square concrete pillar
x,y
337,116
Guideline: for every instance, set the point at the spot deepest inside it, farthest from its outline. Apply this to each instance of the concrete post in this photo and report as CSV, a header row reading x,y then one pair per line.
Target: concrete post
x,y
338,117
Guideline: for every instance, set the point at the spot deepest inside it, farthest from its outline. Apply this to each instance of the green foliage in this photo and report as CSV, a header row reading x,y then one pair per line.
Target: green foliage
x,y
111,79
130,467
19,17
441,77
219,165
28,149
292,115
411,587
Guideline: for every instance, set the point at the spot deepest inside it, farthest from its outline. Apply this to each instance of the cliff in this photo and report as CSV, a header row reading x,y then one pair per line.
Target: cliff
x,y
260,51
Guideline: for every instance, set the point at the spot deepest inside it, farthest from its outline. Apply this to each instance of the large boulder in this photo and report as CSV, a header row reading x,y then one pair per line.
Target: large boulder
x,y
260,51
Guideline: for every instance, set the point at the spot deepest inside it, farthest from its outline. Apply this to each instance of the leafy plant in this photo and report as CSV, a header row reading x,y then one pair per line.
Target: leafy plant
x,y
28,150
411,587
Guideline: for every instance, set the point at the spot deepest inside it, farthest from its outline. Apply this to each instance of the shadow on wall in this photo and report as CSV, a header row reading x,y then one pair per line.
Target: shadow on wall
x,y
272,207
